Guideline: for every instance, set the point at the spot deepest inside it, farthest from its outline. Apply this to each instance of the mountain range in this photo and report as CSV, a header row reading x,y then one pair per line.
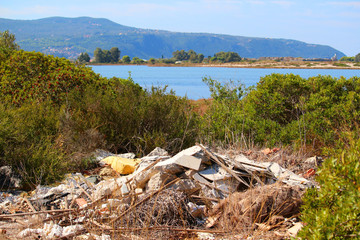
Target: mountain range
x,y
68,37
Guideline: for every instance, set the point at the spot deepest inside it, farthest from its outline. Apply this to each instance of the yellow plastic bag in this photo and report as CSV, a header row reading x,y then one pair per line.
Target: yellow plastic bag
x,y
122,165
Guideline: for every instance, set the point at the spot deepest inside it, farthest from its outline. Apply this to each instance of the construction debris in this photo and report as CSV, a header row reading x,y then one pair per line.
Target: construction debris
x,y
194,189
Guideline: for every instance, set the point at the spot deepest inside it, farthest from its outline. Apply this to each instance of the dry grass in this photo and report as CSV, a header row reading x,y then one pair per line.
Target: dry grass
x,y
256,211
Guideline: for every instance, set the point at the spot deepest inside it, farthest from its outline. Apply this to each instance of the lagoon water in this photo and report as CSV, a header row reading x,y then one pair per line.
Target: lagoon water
x,y
187,81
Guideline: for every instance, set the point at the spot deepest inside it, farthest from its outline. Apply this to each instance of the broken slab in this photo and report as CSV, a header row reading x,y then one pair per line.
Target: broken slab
x,y
214,173
159,180
286,176
188,161
184,185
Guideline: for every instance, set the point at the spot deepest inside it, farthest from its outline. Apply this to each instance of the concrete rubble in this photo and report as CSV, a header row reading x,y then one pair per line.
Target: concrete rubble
x,y
196,180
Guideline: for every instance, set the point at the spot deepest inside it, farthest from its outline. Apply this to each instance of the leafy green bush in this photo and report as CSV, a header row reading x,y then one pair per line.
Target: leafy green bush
x,y
54,114
127,118
27,143
333,210
284,109
32,76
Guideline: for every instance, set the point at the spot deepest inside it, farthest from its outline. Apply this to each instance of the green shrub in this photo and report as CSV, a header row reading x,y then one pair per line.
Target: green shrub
x,y
333,210
127,118
53,114
27,143
284,109
34,77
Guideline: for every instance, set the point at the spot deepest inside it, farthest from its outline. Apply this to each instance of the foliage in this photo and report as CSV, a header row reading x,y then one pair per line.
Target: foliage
x,y
126,59
191,56
347,59
357,58
34,77
106,56
224,119
285,109
137,60
27,143
84,58
225,57
54,113
333,210
7,41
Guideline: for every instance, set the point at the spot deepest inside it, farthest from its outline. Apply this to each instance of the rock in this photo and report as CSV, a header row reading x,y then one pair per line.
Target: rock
x,y
100,154
126,155
295,229
124,189
200,179
94,179
107,187
7,179
314,161
190,157
158,180
168,166
142,177
158,152
184,185
188,161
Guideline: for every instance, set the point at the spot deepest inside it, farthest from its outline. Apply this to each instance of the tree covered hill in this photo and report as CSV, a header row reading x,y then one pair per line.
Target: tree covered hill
x,y
68,37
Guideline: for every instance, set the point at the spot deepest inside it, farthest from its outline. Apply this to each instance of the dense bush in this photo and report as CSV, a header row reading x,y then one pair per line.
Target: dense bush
x,y
333,210
55,113
32,76
284,109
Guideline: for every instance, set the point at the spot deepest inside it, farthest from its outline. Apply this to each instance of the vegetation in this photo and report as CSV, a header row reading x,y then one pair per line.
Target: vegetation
x,y
54,114
333,211
347,59
107,56
225,57
357,58
84,58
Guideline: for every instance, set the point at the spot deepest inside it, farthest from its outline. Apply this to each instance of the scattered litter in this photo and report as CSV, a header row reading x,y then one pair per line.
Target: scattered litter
x,y
194,189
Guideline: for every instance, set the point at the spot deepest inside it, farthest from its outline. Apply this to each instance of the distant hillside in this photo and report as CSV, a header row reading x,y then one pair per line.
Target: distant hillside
x,y
68,37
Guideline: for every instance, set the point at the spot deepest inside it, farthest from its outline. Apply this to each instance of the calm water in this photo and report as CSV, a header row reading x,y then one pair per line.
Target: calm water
x,y
187,81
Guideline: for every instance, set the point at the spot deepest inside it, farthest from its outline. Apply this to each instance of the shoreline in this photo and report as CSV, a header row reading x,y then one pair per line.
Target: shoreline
x,y
263,65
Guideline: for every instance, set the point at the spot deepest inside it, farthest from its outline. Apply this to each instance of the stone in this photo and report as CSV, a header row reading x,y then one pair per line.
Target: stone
x,y
188,161
124,189
293,231
159,180
107,187
142,177
276,169
94,179
139,191
184,185
158,152
126,155
200,179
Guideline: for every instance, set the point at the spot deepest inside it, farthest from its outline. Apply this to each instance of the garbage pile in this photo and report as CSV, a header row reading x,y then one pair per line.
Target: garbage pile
x,y
196,191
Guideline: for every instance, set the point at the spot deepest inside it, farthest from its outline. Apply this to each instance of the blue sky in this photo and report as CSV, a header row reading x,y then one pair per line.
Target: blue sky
x,y
335,23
